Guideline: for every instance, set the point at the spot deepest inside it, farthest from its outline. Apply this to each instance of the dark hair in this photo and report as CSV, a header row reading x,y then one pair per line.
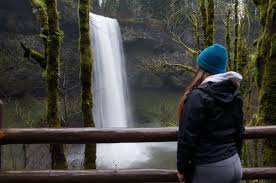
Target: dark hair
x,y
200,75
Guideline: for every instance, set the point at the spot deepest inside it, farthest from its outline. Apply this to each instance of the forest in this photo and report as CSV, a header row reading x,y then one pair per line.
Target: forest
x,y
124,64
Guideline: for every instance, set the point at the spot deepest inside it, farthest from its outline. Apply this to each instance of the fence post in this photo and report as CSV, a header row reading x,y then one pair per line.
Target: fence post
x,y
1,125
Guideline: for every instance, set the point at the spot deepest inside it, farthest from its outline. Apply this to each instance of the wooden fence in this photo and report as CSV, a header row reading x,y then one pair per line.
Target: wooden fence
x,y
106,135
114,135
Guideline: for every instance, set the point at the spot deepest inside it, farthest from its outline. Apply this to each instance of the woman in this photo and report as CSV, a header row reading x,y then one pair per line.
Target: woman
x,y
211,122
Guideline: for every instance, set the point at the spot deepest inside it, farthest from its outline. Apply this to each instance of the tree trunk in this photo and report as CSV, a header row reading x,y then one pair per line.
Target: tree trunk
x,y
39,6
210,24
86,61
236,42
207,21
228,39
243,53
194,19
53,54
36,56
266,65
204,20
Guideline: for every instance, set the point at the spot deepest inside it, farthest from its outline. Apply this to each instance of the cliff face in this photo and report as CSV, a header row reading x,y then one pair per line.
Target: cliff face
x,y
143,42
16,17
20,76
149,44
16,24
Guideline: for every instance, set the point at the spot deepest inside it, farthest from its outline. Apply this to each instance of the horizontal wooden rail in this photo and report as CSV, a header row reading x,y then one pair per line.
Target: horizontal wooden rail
x,y
105,135
106,176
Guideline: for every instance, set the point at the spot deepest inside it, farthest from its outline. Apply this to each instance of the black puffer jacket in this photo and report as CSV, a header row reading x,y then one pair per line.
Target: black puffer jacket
x,y
211,125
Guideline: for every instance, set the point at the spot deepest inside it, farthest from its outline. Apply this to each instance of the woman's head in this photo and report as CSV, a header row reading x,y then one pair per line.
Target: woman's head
x,y
212,60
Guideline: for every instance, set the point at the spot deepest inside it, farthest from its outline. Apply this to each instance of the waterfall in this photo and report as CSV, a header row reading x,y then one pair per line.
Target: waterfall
x,y
110,86
110,92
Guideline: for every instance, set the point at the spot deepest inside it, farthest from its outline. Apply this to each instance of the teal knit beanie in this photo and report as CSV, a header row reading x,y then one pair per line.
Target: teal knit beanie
x,y
213,59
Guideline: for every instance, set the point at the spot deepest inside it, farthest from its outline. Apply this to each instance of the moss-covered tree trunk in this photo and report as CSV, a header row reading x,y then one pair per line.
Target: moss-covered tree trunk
x,y
194,19
40,7
204,20
53,54
266,65
43,19
32,54
207,15
228,39
243,58
86,61
210,26
236,42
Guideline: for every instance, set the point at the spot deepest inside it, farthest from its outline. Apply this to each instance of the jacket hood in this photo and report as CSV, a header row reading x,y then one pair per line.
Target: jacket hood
x,y
224,87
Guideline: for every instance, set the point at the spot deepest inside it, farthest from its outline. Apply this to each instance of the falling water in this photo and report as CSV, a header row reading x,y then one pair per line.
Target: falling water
x,y
111,99
110,87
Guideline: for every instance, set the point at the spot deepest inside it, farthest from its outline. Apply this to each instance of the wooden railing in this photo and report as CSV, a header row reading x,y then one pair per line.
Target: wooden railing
x,y
114,135
106,135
